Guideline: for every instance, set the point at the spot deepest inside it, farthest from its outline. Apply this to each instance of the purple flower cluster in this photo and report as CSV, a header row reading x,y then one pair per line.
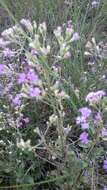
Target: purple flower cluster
x,y
8,53
95,97
105,165
105,188
104,132
34,92
95,3
86,112
1,69
17,100
83,122
3,43
84,138
30,77
75,37
33,52
83,119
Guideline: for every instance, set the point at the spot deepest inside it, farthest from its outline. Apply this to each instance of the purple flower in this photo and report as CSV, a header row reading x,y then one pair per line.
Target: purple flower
x,y
3,43
105,188
31,77
86,112
21,78
33,52
94,97
104,132
27,24
26,120
75,37
84,125
17,100
90,97
84,138
95,3
8,53
105,165
1,69
100,93
8,87
80,119
34,92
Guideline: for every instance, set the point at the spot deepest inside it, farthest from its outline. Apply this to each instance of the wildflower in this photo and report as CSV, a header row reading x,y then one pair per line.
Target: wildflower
x,y
84,125
100,93
27,24
22,122
90,97
105,165
1,69
33,52
105,188
86,112
84,138
8,32
80,119
75,37
34,92
26,120
17,100
21,78
94,97
8,87
104,132
98,118
95,3
32,77
8,53
3,43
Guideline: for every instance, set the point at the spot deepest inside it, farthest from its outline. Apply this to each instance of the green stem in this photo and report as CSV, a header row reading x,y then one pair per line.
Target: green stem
x,y
35,184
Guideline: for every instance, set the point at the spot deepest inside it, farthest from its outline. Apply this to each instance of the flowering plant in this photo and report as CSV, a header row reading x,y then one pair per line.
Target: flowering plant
x,y
39,105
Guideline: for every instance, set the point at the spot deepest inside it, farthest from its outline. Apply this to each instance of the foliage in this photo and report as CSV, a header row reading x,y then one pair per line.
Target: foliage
x,y
53,98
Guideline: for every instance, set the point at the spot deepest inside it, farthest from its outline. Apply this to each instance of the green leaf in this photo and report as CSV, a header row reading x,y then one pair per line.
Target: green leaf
x,y
28,179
